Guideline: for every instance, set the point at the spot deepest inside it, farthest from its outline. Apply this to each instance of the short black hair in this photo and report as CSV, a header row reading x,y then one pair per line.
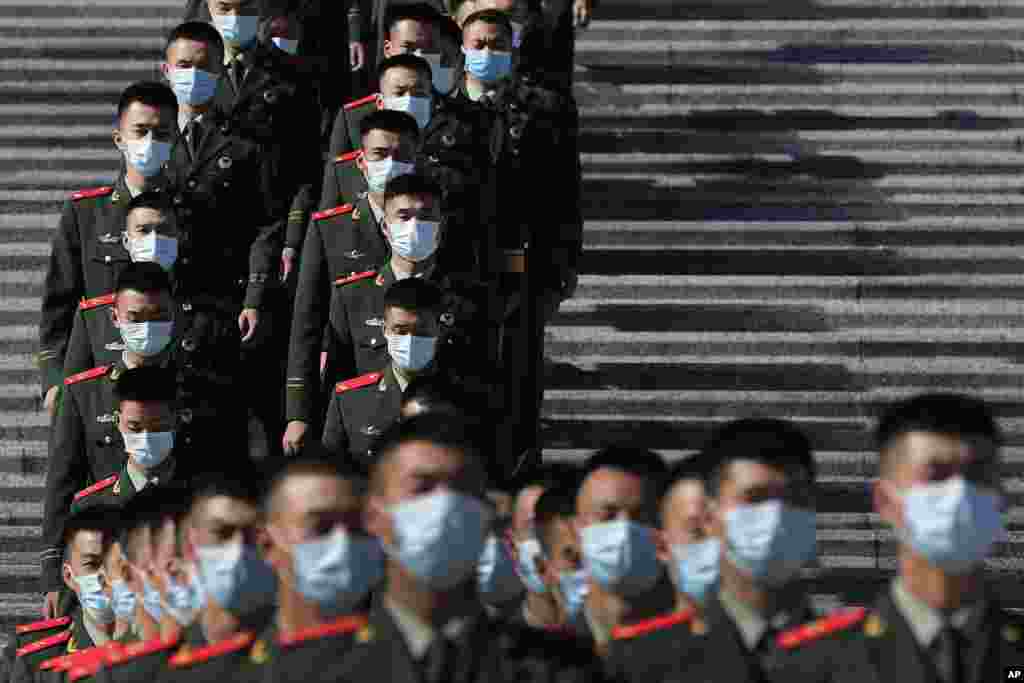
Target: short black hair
x,y
146,277
437,394
150,93
405,60
414,11
937,413
150,199
556,503
146,383
775,442
102,517
392,121
411,184
201,32
490,16
221,484
312,461
641,462
440,430
413,294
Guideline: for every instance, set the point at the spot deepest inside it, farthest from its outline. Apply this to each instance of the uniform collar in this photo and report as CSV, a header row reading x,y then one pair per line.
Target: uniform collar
x,y
93,630
926,623
418,634
751,625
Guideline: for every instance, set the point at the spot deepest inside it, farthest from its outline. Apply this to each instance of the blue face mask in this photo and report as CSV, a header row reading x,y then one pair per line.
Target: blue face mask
x,y
770,541
123,600
235,577
185,600
439,537
696,570
151,601
529,551
573,587
192,86
94,600
486,65
337,571
238,31
496,578
621,556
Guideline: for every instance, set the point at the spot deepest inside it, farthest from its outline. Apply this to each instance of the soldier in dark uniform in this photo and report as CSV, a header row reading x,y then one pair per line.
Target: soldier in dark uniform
x,y
85,536
87,445
428,624
363,407
761,481
940,489
87,251
342,241
418,28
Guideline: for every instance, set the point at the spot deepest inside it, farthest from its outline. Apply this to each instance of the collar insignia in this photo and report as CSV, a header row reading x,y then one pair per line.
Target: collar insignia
x,y
109,238
375,322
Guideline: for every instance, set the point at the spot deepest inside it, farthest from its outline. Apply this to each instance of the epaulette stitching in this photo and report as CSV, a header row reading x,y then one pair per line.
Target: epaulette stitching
x,y
44,643
357,382
361,101
356,277
94,192
335,628
348,156
820,627
98,486
233,644
655,624
336,211
88,374
42,625
86,304
142,649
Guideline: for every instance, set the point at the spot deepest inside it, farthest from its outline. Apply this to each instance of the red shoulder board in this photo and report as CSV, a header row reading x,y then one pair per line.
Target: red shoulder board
x,y
45,643
86,663
330,213
98,486
42,625
355,277
140,649
88,194
354,104
356,382
203,654
88,374
96,301
655,624
60,663
337,627
820,628
347,156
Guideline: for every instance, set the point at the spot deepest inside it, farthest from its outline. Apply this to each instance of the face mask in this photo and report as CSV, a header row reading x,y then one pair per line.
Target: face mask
x,y
192,86
185,600
148,448
769,541
952,523
621,556
94,601
529,551
147,338
153,248
337,571
147,156
287,44
486,65
496,578
151,601
378,173
414,239
439,537
235,577
237,30
417,107
696,569
409,352
442,77
517,34
123,600
573,587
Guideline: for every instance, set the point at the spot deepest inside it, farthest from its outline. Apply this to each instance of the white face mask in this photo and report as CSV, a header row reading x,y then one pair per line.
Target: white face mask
x,y
418,107
770,541
621,556
153,247
149,449
94,600
409,352
147,156
192,86
442,77
415,239
287,44
146,338
378,173
238,31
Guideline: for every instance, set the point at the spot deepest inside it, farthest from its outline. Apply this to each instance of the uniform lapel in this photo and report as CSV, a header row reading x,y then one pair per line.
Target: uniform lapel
x,y
210,146
893,650
389,652
727,656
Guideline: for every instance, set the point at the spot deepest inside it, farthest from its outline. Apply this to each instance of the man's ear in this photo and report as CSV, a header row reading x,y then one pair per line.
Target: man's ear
x,y
387,47
661,547
376,520
887,502
268,547
69,578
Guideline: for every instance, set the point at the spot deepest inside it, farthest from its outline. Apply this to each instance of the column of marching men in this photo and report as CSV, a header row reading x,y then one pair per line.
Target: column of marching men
x,y
293,358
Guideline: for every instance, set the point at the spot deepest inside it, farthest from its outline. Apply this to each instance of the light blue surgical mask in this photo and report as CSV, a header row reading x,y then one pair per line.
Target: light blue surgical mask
x,y
496,578
770,541
149,449
573,587
529,551
151,601
192,86
94,600
147,338
953,523
123,600
621,556
185,600
696,567
337,571
235,577
487,65
237,30
439,537
147,156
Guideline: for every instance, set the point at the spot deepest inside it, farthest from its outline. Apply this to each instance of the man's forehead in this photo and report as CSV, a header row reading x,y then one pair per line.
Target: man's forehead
x,y
402,76
394,315
307,493
89,541
185,47
132,298
482,29
229,510
926,448
383,138
140,113
146,214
